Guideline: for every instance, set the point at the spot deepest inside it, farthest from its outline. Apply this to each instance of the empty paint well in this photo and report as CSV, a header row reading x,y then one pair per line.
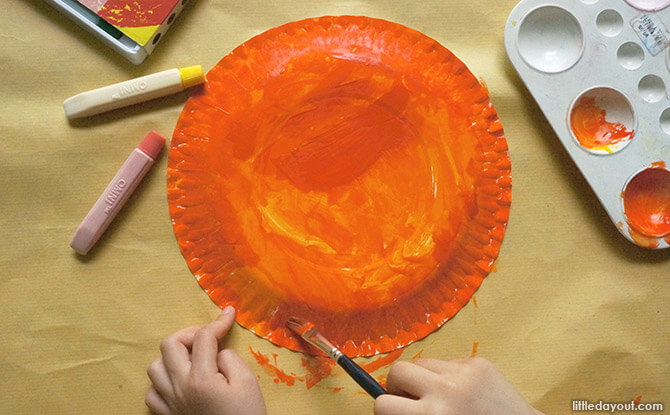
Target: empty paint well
x,y
651,88
550,39
630,56
602,120
609,22
646,201
664,121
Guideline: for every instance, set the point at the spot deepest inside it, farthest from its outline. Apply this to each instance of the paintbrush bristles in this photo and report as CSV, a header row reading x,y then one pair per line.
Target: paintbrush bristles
x,y
298,325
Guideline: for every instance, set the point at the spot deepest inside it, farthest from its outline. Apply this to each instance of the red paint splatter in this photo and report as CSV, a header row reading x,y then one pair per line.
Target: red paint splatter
x,y
637,400
272,370
474,349
382,361
418,355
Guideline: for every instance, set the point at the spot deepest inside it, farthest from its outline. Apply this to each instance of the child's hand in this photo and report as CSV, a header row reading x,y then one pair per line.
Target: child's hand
x,y
462,386
193,377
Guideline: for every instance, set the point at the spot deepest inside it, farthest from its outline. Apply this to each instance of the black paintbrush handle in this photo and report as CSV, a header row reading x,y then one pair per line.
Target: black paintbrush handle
x,y
361,377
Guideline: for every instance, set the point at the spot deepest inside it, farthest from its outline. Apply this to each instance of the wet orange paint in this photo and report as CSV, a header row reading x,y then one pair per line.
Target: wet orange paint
x,y
646,201
474,349
347,170
317,369
382,361
592,130
381,379
272,370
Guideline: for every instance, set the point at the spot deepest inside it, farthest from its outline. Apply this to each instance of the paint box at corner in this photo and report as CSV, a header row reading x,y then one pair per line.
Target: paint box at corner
x,y
600,72
132,28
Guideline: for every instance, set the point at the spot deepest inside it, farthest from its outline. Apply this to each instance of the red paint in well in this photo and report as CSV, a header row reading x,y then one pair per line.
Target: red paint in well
x,y
348,170
646,201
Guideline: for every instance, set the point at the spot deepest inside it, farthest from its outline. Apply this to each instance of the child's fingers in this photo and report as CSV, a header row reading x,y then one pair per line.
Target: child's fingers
x,y
156,403
233,367
396,405
206,342
160,378
434,365
175,352
407,378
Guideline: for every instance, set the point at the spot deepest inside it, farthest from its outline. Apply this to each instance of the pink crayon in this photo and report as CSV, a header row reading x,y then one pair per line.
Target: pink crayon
x,y
117,193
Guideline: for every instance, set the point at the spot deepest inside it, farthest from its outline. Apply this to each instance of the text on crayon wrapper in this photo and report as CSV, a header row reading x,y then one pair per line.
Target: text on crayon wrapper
x,y
113,195
130,89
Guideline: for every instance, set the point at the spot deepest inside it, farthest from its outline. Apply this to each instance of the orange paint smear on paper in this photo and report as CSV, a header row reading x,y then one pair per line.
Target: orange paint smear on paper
x,y
272,370
381,379
592,130
382,361
474,300
323,175
474,349
418,355
646,201
317,368
637,400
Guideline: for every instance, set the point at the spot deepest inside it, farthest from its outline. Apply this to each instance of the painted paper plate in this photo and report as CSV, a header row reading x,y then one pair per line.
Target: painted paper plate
x,y
346,170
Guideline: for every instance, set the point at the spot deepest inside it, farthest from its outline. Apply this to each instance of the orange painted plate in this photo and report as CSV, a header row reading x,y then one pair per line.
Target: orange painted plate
x,y
346,170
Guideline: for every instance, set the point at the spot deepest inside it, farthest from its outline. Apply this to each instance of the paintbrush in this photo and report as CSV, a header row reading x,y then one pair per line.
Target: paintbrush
x,y
311,335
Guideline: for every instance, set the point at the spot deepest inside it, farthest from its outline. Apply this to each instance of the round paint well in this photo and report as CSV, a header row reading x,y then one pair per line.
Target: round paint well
x,y
646,201
665,121
630,55
651,88
649,5
550,39
602,120
609,22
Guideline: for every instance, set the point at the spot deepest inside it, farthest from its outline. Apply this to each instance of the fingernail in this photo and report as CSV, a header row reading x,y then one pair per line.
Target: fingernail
x,y
229,309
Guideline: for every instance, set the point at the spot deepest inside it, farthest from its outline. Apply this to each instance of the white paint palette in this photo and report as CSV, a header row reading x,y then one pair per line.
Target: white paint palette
x,y
600,72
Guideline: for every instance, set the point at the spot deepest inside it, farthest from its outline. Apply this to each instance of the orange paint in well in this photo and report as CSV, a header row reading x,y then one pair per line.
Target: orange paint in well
x,y
348,170
646,201
592,130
